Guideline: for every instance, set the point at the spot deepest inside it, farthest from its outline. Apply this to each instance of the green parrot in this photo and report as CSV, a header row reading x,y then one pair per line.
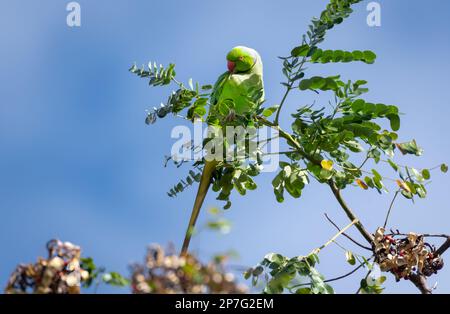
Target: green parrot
x,y
235,90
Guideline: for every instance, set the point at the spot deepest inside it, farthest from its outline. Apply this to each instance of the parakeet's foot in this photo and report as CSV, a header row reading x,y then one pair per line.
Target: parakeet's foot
x,y
231,116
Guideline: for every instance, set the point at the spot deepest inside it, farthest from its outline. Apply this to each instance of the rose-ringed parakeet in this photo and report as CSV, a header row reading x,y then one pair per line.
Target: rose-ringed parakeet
x,y
234,91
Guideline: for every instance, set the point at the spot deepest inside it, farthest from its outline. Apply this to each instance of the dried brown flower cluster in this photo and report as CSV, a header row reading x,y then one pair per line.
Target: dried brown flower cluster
x,y
405,256
170,273
59,273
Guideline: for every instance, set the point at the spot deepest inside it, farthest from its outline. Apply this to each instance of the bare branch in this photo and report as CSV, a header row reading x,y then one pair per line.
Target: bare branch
x,y
444,247
316,251
347,236
420,282
332,279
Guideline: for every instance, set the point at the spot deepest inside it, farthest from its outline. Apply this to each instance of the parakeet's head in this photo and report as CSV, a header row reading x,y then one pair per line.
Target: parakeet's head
x,y
241,59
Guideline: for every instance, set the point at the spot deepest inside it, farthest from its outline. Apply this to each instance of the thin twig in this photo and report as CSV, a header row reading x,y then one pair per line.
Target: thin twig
x,y
332,279
291,81
363,163
426,235
316,251
346,275
390,208
288,89
279,153
403,166
347,236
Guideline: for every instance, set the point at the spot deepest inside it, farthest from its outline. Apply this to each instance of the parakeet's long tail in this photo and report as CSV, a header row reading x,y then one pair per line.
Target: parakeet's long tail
x,y
203,188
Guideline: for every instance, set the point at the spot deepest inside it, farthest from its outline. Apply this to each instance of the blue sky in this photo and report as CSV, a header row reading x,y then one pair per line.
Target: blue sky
x,y
77,161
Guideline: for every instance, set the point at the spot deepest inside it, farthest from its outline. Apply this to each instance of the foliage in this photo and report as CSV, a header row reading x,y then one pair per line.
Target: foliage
x,y
340,141
282,271
194,99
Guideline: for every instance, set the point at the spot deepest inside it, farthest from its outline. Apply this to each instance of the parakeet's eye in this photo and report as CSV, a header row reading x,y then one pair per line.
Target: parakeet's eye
x,y
243,59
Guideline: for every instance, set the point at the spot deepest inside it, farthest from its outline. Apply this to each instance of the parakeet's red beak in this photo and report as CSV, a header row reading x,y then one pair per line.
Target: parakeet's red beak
x,y
231,66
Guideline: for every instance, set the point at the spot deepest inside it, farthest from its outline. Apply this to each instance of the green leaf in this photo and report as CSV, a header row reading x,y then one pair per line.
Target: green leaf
x,y
369,182
338,55
330,84
381,280
227,205
269,111
407,194
377,176
357,55
320,83
223,109
221,225
248,273
305,84
326,56
358,105
317,82
316,55
348,56
394,119
420,190
274,258
369,56
426,174
329,289
201,111
115,279
325,174
410,148
350,258
393,165
158,76
300,51
303,291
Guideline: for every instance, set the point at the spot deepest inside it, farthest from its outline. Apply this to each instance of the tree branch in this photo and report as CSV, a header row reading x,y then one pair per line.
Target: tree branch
x,y
444,247
420,281
390,208
349,212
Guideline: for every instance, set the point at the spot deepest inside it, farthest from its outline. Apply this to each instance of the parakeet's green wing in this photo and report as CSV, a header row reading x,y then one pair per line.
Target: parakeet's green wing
x,y
241,88
218,86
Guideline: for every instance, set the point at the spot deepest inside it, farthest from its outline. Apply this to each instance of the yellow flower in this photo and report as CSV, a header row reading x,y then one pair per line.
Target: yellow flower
x,y
327,164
